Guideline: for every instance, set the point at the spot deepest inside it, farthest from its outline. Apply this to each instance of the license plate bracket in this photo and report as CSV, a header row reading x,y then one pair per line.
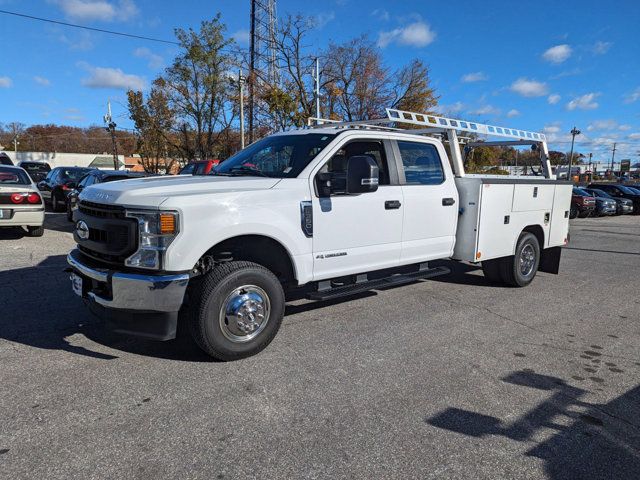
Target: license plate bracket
x,y
5,213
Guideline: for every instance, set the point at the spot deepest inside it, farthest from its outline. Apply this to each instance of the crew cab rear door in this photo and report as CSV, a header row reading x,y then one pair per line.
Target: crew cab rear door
x,y
430,205
357,233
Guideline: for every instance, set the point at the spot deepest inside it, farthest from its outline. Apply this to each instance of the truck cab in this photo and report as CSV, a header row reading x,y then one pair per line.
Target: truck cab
x,y
330,210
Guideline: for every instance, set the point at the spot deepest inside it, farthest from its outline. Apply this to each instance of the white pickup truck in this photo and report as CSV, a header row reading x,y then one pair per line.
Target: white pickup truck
x,y
331,210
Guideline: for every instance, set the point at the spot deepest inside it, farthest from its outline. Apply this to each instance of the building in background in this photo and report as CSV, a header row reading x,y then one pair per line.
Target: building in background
x,y
60,159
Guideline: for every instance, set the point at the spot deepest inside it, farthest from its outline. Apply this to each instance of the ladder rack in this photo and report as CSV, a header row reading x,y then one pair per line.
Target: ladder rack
x,y
433,124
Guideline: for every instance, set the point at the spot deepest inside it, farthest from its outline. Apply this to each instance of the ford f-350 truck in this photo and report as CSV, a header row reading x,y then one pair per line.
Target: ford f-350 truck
x,y
331,210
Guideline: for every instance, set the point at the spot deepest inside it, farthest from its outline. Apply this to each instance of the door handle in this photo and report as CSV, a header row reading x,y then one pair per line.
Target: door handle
x,y
448,201
392,204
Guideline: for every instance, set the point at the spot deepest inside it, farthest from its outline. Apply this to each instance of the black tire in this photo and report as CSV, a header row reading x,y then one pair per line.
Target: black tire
x,y
510,268
491,270
583,214
573,212
55,202
205,300
36,231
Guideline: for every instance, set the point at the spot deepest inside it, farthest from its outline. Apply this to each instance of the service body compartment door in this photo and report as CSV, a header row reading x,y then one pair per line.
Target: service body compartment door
x,y
558,233
496,226
528,197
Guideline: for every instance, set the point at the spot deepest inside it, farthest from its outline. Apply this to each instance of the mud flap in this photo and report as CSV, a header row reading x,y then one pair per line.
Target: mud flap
x,y
550,261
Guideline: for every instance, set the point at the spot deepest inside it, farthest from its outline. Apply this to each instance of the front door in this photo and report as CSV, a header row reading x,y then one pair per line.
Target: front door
x,y
357,233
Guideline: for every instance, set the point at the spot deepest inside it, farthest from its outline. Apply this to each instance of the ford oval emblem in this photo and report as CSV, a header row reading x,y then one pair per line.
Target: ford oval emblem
x,y
82,230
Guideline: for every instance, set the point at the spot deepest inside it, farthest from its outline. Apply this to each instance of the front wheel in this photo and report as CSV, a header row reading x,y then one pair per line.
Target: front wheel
x,y
520,269
235,310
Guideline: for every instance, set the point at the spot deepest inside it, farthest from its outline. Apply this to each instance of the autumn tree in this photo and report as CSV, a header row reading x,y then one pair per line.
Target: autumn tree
x,y
153,120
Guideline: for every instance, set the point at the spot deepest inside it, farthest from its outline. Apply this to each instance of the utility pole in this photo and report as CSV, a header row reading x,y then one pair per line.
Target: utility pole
x,y
111,127
317,80
613,154
590,155
241,80
574,132
252,64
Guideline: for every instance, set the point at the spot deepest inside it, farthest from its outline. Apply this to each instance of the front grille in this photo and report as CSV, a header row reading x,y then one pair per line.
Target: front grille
x,y
100,210
112,236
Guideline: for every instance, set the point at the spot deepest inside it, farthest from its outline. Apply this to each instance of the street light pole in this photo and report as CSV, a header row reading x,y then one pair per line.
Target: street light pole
x,y
241,81
613,154
317,79
574,132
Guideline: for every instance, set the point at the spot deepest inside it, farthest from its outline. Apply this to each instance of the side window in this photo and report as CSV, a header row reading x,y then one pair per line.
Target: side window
x,y
200,168
188,170
337,165
421,163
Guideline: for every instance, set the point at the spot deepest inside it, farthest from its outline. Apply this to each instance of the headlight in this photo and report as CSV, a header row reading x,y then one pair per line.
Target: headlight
x,y
156,231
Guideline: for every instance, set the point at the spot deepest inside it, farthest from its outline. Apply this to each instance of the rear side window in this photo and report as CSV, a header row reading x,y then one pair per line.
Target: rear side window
x,y
421,163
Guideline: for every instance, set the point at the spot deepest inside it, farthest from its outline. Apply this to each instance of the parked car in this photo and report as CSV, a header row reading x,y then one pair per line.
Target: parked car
x,y
38,171
92,178
623,205
5,159
604,206
199,167
58,183
21,204
582,204
620,191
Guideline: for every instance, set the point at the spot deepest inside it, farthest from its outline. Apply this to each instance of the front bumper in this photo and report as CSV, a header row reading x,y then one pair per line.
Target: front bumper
x,y
143,305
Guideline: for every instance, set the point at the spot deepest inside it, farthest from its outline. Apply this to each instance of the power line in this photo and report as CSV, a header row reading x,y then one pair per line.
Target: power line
x,y
111,32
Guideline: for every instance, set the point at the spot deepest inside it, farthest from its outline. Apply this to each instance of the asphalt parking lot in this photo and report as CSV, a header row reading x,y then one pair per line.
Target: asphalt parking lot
x,y
454,378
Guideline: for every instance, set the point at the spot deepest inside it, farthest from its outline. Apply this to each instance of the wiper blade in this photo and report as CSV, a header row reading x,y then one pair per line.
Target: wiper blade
x,y
244,170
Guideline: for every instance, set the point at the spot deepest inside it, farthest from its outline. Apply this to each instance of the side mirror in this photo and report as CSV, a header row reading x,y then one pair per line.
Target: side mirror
x,y
362,175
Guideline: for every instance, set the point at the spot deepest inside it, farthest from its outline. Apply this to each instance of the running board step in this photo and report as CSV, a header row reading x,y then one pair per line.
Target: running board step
x,y
392,281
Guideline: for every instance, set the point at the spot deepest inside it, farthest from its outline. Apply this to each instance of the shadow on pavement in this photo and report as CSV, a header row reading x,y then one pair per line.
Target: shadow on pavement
x,y
39,309
600,441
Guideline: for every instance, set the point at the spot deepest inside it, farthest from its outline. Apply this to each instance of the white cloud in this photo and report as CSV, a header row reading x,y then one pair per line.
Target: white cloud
x,y
600,48
474,77
551,129
634,136
584,102
97,10
5,82
322,19
101,77
416,34
155,60
453,108
553,98
513,113
381,14
45,82
529,88
633,96
604,125
557,54
624,128
242,37
485,110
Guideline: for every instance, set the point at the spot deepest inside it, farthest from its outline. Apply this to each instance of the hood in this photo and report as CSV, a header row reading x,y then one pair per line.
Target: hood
x,y
153,191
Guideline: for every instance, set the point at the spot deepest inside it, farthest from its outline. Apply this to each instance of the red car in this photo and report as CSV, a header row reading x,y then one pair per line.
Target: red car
x,y
582,204
199,167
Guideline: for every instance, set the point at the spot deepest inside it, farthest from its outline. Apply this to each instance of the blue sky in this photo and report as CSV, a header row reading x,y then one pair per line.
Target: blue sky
x,y
546,66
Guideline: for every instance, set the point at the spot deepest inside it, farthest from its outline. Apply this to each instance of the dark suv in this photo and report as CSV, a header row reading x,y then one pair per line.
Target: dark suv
x,y
58,183
620,191
92,178
38,171
583,204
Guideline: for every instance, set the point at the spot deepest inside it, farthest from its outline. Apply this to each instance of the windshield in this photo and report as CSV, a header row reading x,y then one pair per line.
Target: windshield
x,y
278,156
601,193
12,176
36,167
635,189
579,191
73,174
627,190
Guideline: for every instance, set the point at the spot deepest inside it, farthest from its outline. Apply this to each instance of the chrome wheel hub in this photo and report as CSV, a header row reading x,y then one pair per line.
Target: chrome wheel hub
x,y
527,260
244,313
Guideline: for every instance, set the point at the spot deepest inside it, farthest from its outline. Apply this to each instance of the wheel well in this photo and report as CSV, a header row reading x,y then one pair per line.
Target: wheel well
x,y
538,232
259,249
